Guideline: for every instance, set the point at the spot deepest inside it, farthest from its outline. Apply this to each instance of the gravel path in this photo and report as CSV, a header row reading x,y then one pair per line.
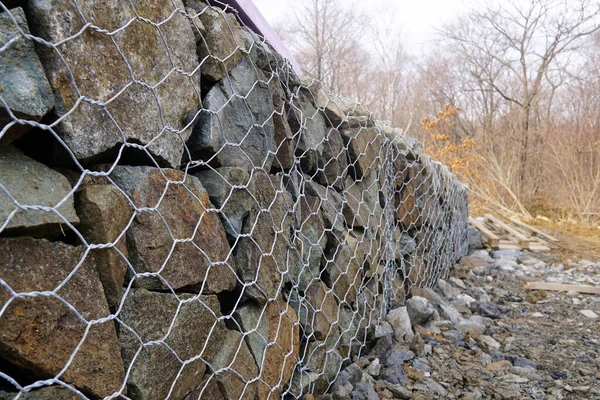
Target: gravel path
x,y
480,335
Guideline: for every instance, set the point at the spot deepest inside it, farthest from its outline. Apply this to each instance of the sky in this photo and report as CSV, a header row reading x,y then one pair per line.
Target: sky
x,y
417,18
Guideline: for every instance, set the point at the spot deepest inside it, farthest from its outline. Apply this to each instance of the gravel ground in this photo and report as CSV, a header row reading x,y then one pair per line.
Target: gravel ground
x,y
481,335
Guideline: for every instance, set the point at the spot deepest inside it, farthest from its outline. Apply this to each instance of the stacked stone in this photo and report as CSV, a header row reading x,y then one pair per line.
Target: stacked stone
x,y
182,217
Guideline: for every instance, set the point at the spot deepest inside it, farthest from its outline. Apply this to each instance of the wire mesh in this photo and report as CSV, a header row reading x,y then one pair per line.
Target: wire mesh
x,y
182,217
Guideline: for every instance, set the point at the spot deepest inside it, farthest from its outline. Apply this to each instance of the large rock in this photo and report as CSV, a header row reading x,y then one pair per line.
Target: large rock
x,y
102,68
234,367
407,207
343,266
284,137
262,253
341,112
362,209
219,39
236,127
229,190
419,310
317,310
105,214
400,321
308,127
39,334
332,206
273,336
172,331
311,243
174,208
31,183
333,165
24,87
45,393
364,149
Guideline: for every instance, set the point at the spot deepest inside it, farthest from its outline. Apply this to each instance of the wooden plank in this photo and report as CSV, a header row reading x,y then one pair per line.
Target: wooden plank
x,y
533,230
490,237
540,248
520,239
508,245
562,288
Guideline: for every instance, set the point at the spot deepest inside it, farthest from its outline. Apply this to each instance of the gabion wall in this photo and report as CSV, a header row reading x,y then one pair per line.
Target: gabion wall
x,y
182,217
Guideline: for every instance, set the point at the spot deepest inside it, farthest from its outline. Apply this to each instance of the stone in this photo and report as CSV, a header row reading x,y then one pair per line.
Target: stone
x,y
23,84
308,127
273,336
45,393
317,311
589,313
419,310
229,190
105,214
488,310
331,206
489,343
400,321
382,329
507,253
463,325
499,366
235,128
475,238
394,374
323,358
259,52
262,254
183,324
31,183
473,262
234,366
407,207
447,290
343,265
430,295
396,356
451,312
364,391
179,206
218,39
374,368
399,391
339,110
364,149
333,165
40,334
362,209
136,113
311,242
284,137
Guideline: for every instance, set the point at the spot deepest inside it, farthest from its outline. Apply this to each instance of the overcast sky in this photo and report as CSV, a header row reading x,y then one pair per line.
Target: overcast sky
x,y
418,18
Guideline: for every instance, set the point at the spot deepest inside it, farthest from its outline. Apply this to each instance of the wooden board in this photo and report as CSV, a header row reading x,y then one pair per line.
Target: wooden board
x,y
562,288
491,239
508,245
517,236
533,230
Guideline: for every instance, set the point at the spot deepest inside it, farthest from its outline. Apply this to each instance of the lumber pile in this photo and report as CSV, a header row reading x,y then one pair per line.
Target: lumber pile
x,y
512,234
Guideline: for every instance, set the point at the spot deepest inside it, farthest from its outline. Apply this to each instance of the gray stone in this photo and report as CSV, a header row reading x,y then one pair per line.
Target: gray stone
x,y
483,254
396,356
350,375
331,206
45,393
235,128
364,149
475,238
138,114
399,391
234,203
507,253
394,374
343,264
23,84
431,296
489,310
362,209
364,391
284,137
465,324
340,111
181,205
317,310
41,333
383,329
31,183
400,321
258,51
374,368
419,310
311,242
308,127
185,324
262,255
273,336
451,312
333,165
219,39
105,213
234,366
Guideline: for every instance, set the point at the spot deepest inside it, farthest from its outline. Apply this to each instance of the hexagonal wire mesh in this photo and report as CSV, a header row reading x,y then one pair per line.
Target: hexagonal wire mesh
x,y
183,217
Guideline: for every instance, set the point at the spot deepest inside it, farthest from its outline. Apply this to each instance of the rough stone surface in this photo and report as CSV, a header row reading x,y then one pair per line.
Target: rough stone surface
x,y
236,127
31,183
364,149
362,209
333,165
100,73
262,256
39,334
318,311
284,137
331,205
400,321
219,39
343,264
185,329
419,310
23,84
274,340
105,214
181,205
308,127
46,393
